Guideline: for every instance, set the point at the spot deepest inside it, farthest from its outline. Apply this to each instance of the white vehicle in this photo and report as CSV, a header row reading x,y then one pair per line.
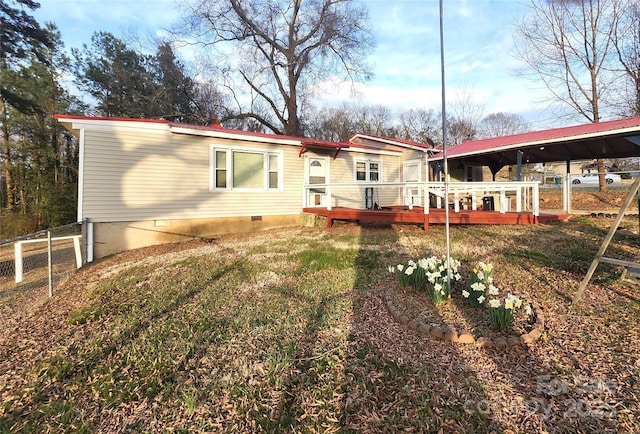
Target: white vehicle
x,y
592,178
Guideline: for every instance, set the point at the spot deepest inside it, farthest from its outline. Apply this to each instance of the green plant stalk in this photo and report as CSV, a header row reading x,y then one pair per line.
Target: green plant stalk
x,y
501,317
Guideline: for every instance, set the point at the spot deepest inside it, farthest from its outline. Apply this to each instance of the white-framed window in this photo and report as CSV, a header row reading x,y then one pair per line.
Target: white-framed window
x,y
245,169
368,170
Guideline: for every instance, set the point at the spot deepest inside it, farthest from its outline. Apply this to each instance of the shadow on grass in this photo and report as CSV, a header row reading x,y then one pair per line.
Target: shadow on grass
x,y
548,386
566,379
402,380
569,248
282,332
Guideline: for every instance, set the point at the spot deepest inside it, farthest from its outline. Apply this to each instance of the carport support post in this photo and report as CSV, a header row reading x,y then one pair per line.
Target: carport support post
x,y
638,196
607,240
566,190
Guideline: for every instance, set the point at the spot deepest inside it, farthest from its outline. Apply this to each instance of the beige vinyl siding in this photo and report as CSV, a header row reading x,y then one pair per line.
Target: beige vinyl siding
x,y
133,174
342,171
382,146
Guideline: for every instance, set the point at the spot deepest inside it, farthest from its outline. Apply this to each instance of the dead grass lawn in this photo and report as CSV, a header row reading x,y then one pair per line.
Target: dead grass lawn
x,y
287,331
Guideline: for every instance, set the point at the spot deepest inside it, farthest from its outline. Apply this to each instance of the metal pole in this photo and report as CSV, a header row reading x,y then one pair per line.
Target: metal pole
x,y
50,263
444,152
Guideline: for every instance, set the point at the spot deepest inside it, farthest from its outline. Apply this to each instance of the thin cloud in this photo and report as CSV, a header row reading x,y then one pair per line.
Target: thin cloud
x,y
405,62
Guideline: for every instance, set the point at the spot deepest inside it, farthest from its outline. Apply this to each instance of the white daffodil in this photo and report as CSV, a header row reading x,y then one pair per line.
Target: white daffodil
x,y
494,302
481,299
409,271
478,286
493,290
465,294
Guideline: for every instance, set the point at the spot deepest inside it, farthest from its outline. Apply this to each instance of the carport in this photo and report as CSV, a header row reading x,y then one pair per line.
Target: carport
x,y
602,140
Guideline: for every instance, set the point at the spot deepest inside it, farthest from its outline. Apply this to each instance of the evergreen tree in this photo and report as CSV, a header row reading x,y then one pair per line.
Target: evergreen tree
x,y
43,156
20,37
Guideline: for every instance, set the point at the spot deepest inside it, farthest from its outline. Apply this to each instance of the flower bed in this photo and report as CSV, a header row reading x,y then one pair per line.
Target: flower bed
x,y
474,314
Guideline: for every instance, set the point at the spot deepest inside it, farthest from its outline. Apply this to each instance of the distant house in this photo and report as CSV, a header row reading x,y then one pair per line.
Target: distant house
x,y
145,182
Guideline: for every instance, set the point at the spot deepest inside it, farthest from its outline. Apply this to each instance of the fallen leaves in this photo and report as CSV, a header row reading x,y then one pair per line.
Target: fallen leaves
x,y
235,336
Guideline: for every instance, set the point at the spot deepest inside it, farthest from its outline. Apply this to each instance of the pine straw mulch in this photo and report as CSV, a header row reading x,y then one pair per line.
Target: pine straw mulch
x,y
581,376
456,313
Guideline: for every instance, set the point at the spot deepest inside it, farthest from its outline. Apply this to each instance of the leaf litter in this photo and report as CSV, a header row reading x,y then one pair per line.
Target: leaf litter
x,y
232,335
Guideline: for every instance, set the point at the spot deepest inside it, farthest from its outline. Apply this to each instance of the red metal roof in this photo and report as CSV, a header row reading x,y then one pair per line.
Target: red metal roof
x,y
372,148
391,140
215,128
565,134
105,118
302,140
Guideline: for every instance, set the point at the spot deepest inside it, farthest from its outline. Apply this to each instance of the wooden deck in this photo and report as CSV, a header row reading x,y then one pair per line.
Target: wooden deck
x,y
435,216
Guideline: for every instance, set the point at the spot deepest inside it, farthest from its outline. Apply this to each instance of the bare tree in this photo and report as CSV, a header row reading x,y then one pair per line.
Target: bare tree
x,y
627,44
279,49
330,123
420,125
502,124
465,115
376,120
340,124
460,130
568,46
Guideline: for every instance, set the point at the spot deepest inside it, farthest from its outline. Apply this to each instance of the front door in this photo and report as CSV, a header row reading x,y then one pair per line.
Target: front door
x,y
317,174
411,173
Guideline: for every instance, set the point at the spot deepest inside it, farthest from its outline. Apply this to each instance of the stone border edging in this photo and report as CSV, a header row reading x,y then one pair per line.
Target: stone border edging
x,y
449,334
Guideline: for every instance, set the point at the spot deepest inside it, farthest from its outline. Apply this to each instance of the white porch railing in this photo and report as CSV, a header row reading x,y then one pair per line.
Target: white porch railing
x,y
501,196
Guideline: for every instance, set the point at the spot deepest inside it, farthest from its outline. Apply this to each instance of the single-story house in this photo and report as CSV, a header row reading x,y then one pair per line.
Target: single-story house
x,y
145,182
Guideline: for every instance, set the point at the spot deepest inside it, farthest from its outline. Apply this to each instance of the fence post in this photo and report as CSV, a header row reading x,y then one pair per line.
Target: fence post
x,y
50,262
18,261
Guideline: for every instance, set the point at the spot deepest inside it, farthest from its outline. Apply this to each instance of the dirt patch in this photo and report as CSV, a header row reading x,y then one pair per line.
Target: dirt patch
x,y
592,201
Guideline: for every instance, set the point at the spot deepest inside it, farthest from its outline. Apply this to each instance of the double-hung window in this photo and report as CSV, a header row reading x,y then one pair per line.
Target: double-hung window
x,y
368,170
245,169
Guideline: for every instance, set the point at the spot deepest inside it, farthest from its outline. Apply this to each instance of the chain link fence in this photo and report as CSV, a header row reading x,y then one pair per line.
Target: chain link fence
x,y
41,260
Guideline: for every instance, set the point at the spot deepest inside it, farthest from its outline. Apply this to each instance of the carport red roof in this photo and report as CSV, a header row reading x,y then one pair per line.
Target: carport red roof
x,y
610,139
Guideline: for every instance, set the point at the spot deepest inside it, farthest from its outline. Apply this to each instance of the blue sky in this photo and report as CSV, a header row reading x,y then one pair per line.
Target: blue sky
x,y
406,61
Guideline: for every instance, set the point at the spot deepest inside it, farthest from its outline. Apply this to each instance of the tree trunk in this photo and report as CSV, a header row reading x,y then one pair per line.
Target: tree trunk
x,y
6,155
602,181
